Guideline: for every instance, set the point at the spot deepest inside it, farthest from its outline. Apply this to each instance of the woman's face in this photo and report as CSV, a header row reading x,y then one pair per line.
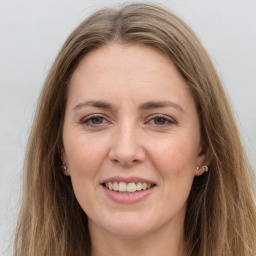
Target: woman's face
x,y
131,140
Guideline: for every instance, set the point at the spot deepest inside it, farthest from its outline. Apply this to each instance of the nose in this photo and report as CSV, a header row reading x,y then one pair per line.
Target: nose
x,y
127,147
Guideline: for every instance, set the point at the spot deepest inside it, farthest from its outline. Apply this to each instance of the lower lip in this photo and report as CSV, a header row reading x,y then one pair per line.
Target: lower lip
x,y
127,198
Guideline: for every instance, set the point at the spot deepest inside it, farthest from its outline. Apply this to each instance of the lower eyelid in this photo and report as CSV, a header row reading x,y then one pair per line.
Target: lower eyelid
x,y
89,118
167,119
166,123
87,121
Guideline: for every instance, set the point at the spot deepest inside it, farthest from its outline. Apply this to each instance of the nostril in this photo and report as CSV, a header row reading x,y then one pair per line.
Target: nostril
x,y
126,155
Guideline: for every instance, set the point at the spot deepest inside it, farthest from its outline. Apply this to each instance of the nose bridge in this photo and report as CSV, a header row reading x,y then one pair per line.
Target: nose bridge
x,y
126,147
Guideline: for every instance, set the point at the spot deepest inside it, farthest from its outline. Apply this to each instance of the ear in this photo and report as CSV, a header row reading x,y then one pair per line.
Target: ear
x,y
204,158
64,160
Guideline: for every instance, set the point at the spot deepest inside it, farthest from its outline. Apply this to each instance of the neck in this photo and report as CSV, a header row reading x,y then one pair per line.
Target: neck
x,y
167,242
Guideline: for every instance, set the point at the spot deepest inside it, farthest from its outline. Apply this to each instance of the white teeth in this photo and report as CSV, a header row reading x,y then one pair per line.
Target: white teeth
x,y
144,186
115,186
139,186
122,187
127,187
131,187
110,185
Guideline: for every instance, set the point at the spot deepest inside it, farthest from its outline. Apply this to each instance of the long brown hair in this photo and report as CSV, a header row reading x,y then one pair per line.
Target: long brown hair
x,y
221,214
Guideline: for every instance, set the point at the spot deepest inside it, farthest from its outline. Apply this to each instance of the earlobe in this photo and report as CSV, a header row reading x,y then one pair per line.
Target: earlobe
x,y
64,168
64,165
204,160
200,170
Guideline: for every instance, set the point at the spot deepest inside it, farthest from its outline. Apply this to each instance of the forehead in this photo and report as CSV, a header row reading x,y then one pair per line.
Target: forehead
x,y
130,72
124,60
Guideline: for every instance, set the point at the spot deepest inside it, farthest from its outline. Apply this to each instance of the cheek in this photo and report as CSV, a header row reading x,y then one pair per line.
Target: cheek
x,y
175,162
175,155
84,160
82,156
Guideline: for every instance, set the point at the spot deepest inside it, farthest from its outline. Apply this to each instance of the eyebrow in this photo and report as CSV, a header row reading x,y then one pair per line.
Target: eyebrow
x,y
94,103
160,104
144,106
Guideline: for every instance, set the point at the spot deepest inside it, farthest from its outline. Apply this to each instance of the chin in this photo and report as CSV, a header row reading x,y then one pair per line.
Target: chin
x,y
130,225
128,231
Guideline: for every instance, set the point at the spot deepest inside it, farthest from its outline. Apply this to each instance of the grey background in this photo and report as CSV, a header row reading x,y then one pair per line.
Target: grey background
x,y
31,34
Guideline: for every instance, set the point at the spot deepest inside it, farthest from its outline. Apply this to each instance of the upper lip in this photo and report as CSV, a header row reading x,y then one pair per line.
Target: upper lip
x,y
127,179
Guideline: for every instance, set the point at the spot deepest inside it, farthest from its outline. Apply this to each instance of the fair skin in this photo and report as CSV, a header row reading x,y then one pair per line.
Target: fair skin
x,y
130,118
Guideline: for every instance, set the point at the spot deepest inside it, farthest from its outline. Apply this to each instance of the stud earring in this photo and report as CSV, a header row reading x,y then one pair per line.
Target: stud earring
x,y
64,166
204,168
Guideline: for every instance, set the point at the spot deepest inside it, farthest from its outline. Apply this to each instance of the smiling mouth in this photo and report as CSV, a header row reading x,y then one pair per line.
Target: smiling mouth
x,y
130,187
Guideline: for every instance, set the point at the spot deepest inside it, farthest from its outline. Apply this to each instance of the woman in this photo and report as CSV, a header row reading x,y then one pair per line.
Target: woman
x,y
134,148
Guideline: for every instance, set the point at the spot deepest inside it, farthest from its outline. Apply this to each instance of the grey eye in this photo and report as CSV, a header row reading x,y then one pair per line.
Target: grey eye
x,y
96,120
160,120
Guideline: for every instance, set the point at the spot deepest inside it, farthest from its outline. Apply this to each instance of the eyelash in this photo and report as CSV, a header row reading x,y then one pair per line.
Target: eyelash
x,y
167,120
88,120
